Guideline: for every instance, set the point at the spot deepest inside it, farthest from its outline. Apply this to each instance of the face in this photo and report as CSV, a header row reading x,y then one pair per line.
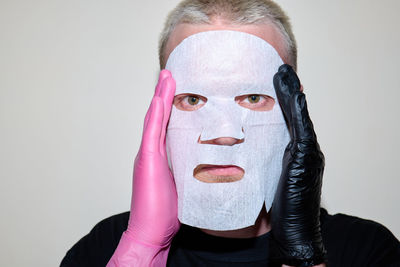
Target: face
x,y
191,102
226,133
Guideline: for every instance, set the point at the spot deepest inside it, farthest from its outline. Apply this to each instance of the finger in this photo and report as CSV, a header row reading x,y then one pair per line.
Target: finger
x,y
167,95
303,128
282,93
163,75
286,83
146,118
152,131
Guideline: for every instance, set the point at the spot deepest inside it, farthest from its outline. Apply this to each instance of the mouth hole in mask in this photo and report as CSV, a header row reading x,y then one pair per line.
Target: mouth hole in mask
x,y
209,173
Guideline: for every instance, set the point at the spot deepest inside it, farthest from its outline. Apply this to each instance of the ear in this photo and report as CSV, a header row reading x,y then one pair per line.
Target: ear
x,y
301,88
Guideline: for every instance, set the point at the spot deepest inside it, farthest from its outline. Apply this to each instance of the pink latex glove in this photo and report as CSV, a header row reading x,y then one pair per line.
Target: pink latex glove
x,y
153,218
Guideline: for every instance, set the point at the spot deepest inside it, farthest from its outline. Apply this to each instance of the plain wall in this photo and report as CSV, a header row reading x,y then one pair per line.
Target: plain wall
x,y
76,78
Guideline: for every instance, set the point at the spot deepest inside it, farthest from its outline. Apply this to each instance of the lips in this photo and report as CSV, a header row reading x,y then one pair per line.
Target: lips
x,y
218,173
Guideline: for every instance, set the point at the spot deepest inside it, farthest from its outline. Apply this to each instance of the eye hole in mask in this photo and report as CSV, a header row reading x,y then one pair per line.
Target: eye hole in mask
x,y
256,102
189,102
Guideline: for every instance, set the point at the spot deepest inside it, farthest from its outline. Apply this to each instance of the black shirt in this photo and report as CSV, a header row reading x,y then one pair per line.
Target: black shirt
x,y
349,241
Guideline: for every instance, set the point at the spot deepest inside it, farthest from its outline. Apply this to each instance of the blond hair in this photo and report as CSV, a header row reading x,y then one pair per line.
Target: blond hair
x,y
240,12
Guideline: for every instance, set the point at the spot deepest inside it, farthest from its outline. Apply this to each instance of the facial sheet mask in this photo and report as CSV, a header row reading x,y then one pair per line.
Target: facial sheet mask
x,y
221,65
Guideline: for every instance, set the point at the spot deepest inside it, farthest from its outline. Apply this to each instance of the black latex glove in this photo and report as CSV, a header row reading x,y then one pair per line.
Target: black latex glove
x,y
295,228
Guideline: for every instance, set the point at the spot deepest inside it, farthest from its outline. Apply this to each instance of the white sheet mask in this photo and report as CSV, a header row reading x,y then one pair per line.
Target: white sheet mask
x,y
221,65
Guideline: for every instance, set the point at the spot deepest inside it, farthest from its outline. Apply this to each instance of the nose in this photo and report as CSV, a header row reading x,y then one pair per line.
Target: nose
x,y
222,141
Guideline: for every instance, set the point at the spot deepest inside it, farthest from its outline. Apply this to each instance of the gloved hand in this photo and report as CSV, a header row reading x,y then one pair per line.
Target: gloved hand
x,y
295,225
153,218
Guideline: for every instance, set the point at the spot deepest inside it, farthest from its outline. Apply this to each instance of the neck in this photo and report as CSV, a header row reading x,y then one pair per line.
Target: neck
x,y
260,227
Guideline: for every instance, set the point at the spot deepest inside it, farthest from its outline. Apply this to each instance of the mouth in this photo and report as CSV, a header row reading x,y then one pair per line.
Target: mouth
x,y
218,173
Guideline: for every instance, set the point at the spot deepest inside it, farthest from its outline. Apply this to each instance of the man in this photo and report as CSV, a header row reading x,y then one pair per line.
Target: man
x,y
292,231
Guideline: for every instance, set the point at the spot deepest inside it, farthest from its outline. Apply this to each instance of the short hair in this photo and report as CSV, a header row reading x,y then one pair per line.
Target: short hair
x,y
240,12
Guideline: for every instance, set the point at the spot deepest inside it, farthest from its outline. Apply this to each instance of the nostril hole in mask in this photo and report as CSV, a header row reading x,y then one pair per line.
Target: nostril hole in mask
x,y
221,141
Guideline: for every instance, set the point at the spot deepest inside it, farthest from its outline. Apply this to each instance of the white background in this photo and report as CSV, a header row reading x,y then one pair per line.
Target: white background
x,y
76,78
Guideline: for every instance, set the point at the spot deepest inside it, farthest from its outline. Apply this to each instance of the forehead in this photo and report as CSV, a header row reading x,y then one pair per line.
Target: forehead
x,y
224,63
266,31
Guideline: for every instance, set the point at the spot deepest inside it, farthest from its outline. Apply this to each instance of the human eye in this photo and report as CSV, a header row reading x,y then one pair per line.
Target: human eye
x,y
253,99
189,102
256,102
